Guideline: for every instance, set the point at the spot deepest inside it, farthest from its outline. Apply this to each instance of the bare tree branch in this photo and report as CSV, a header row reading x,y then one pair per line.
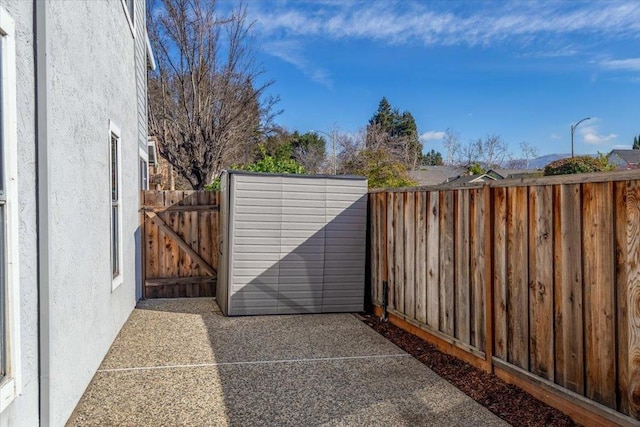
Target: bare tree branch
x,y
207,97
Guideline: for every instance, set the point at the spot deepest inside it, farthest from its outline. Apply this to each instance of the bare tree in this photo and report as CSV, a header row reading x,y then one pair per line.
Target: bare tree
x,y
206,106
490,152
451,143
529,152
493,152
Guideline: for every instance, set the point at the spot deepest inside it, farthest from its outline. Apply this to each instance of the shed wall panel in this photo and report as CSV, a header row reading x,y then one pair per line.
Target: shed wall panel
x,y
296,244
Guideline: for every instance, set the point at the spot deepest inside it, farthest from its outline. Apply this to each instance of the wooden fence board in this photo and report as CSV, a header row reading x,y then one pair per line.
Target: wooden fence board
x,y
205,229
432,270
541,281
598,295
398,214
568,289
422,255
517,276
446,254
621,291
477,233
500,285
463,307
391,269
374,246
633,296
214,198
409,220
382,205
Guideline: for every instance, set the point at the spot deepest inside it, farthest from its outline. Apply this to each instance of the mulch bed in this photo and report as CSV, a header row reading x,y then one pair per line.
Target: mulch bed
x,y
507,401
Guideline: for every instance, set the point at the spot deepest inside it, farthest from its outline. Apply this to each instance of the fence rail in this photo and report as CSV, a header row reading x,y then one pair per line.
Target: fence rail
x,y
538,281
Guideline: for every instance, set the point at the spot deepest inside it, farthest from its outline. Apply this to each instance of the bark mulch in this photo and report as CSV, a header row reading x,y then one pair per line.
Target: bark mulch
x,y
509,402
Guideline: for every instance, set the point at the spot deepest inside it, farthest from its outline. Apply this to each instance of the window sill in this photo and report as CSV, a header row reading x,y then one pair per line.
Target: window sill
x,y
7,393
117,281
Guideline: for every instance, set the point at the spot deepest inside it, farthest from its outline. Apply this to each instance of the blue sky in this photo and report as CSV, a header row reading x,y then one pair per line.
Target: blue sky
x,y
525,70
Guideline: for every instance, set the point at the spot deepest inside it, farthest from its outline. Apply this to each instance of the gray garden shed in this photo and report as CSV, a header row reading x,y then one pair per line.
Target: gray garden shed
x,y
291,243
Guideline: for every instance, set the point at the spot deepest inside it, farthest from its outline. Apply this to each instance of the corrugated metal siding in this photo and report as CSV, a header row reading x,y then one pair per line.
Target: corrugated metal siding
x,y
297,244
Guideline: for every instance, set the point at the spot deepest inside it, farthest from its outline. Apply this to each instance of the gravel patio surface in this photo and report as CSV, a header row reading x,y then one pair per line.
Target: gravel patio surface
x,y
180,362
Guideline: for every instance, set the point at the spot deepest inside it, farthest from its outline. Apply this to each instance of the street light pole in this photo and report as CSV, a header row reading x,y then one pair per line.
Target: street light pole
x,y
573,129
333,146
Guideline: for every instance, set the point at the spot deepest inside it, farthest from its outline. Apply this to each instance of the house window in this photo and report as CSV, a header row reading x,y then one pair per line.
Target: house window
x,y
9,275
144,175
116,207
144,170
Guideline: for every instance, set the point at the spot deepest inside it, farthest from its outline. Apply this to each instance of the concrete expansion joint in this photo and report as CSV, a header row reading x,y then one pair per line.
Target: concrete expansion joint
x,y
257,362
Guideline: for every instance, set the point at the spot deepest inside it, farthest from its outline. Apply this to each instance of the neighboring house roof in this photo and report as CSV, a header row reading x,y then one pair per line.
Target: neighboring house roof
x,y
625,159
438,175
435,175
516,173
474,179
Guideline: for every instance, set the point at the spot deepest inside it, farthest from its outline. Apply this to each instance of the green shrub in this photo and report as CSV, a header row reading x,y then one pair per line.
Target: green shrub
x,y
214,186
267,164
579,164
381,170
475,169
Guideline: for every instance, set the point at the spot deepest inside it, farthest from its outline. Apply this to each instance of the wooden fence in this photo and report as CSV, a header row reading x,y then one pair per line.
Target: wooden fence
x,y
180,243
537,281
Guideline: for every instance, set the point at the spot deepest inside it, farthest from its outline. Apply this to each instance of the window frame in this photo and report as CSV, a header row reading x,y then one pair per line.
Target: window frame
x,y
144,157
10,383
116,279
130,19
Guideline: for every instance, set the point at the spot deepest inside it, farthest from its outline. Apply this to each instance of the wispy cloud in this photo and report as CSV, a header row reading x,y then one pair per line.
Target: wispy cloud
x,y
554,136
292,52
627,64
486,24
432,135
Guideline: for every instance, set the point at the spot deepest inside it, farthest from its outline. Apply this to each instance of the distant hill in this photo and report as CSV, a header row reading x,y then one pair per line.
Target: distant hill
x,y
542,161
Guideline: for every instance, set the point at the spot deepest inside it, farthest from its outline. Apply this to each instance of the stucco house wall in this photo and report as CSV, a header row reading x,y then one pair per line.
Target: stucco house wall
x,y
92,82
24,409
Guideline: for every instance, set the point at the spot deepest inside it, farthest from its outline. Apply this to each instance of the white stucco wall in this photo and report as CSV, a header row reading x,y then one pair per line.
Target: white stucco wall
x,y
92,80
91,71
24,409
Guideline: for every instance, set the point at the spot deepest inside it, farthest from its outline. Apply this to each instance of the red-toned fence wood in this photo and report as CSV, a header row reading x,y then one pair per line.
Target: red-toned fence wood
x,y
536,280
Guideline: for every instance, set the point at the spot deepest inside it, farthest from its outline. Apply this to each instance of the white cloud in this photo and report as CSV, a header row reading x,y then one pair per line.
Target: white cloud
x,y
590,135
292,52
554,136
490,23
628,64
431,136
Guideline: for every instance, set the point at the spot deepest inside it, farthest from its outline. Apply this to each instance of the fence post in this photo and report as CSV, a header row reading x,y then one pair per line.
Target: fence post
x,y
488,275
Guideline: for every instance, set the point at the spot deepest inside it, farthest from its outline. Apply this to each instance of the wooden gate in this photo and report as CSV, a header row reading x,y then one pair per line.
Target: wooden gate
x,y
180,251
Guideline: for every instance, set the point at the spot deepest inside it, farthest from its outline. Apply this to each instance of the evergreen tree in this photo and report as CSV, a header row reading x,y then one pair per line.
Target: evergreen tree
x,y
397,132
432,158
636,142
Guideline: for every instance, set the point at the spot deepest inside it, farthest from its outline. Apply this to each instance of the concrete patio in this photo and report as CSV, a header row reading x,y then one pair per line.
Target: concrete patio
x,y
180,362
